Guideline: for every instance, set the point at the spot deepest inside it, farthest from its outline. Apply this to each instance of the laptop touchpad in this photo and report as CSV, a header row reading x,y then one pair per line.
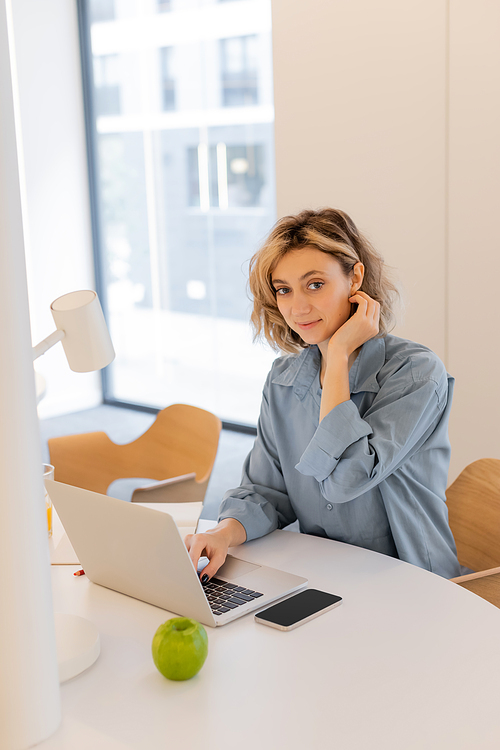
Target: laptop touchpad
x,y
234,568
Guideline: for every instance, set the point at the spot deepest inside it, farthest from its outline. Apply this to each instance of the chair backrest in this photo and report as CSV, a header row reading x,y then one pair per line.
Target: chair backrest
x,y
474,514
182,439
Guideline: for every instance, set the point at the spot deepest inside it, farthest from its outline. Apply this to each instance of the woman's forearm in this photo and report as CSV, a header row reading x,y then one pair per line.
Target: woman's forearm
x,y
335,384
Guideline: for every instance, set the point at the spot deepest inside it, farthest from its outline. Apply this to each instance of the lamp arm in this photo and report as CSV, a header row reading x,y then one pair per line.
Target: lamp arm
x,y
47,343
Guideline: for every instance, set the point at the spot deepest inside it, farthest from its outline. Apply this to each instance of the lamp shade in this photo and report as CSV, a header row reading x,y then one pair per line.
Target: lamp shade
x,y
86,341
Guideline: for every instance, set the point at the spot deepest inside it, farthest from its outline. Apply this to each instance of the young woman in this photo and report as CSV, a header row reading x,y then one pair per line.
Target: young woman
x,y
352,438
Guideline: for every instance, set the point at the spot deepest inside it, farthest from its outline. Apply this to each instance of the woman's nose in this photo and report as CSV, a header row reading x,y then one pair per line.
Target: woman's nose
x,y
300,304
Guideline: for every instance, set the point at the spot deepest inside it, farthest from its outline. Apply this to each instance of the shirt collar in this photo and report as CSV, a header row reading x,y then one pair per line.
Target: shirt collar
x,y
303,369
368,363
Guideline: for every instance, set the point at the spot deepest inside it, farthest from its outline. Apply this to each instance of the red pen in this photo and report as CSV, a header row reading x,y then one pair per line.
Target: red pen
x,y
79,572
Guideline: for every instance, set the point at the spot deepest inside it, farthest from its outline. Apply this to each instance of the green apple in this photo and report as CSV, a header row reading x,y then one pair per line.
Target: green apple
x,y
180,647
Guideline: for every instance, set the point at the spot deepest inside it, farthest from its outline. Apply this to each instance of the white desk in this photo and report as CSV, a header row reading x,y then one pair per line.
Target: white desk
x,y
409,661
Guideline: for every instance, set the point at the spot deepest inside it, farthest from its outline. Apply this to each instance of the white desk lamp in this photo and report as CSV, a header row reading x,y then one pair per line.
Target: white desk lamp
x,y
82,329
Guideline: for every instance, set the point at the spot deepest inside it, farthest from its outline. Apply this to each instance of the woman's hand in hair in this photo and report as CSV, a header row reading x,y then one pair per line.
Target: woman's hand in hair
x,y
343,348
362,326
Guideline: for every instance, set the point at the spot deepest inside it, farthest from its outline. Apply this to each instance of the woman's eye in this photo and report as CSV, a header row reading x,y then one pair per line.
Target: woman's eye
x,y
316,285
281,291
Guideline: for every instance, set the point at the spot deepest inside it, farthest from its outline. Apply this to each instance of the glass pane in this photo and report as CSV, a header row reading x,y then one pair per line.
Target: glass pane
x,y
185,160
101,10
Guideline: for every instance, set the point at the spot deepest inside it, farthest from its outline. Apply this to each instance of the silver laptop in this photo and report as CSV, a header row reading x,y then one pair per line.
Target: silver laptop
x,y
140,552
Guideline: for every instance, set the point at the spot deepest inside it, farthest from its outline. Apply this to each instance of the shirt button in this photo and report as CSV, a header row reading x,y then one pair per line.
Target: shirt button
x,y
329,506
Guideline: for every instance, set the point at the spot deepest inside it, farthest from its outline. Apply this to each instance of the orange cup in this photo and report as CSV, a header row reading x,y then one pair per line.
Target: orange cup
x,y
48,473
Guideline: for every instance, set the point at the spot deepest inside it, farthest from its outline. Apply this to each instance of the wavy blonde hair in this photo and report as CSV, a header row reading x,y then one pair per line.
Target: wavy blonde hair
x,y
333,232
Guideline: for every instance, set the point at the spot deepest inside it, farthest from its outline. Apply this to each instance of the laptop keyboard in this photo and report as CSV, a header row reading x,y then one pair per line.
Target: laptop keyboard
x,y
223,596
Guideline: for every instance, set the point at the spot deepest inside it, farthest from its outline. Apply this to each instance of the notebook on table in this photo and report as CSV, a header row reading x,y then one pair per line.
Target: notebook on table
x,y
139,552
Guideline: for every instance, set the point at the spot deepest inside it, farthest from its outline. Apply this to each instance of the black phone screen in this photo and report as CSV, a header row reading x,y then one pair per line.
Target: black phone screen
x,y
299,607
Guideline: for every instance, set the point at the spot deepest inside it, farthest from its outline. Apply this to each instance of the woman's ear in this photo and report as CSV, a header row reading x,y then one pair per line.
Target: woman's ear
x,y
358,273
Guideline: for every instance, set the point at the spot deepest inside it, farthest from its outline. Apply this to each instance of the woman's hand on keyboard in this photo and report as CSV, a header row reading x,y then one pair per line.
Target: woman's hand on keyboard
x,y
214,544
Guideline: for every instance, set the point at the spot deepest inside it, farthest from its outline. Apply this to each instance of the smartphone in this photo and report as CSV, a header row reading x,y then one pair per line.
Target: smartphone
x,y
298,609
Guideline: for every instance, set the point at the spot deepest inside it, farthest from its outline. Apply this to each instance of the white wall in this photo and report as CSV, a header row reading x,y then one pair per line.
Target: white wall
x,y
58,232
360,125
474,238
389,111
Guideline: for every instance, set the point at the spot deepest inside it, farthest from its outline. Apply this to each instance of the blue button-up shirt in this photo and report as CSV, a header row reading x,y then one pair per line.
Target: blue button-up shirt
x,y
373,473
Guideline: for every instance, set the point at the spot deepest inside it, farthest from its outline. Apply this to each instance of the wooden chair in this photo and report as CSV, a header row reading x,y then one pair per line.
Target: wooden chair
x,y
485,584
178,451
474,514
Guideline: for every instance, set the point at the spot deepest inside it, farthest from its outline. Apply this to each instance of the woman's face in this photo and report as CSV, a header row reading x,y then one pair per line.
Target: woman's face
x,y
312,293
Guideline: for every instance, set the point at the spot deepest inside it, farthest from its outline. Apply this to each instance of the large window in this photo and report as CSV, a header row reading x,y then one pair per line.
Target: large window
x,y
181,122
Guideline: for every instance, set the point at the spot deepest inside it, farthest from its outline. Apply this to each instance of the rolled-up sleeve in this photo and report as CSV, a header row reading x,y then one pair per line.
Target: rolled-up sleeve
x,y
261,503
349,454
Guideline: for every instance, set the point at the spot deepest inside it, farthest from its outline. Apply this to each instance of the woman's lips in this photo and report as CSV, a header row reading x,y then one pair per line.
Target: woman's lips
x,y
306,326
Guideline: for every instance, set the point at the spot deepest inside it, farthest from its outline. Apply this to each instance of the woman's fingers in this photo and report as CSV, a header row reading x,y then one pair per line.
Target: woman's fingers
x,y
367,306
215,563
363,300
206,545
361,326
195,544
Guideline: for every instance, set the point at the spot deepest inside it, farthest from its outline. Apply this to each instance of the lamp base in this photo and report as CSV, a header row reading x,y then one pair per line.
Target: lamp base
x,y
78,644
